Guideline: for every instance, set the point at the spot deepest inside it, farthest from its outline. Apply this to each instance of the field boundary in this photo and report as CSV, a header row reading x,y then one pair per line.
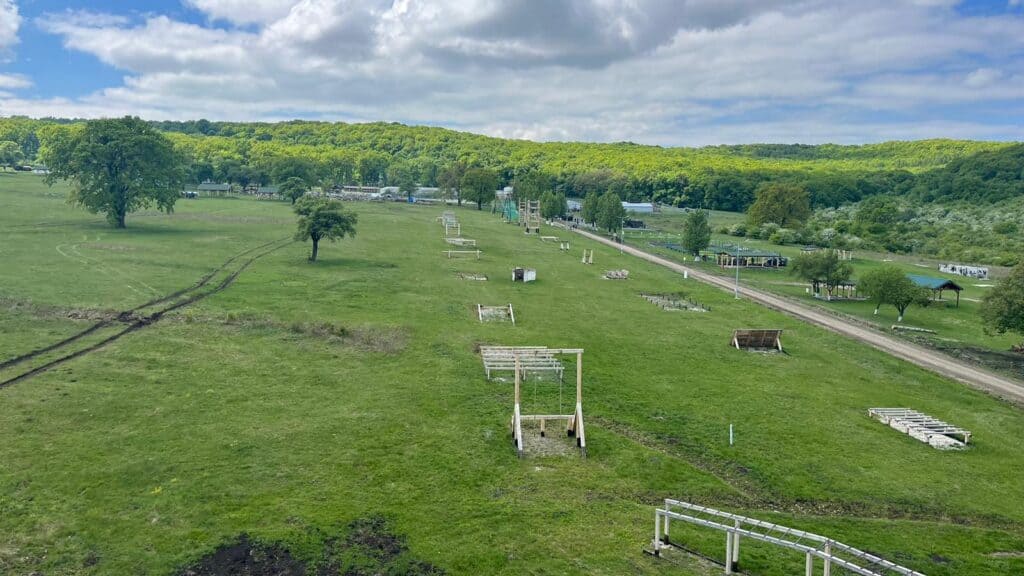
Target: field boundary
x,y
1005,388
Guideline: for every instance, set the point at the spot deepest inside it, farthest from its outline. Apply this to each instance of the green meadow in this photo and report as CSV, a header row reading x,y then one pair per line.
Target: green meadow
x,y
304,397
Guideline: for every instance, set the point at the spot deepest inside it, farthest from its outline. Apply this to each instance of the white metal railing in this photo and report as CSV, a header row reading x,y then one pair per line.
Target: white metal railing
x,y
831,552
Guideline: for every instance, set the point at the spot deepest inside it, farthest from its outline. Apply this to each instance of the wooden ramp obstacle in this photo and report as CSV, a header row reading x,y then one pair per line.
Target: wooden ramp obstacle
x,y
749,339
573,422
495,313
460,253
832,553
923,427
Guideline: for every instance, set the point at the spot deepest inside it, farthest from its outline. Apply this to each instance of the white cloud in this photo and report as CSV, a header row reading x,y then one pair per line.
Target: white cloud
x,y
14,82
10,21
660,71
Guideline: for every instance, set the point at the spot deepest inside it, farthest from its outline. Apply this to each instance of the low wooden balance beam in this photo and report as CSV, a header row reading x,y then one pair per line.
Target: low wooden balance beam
x,y
457,253
574,421
458,241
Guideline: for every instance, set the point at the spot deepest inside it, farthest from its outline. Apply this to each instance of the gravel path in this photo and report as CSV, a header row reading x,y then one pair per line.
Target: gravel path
x,y
1003,387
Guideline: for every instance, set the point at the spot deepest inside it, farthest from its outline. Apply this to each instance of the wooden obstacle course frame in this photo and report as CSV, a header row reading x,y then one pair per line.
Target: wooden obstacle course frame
x,y
574,421
529,216
616,274
501,312
550,239
588,256
459,241
563,246
757,339
920,426
812,545
535,359
453,253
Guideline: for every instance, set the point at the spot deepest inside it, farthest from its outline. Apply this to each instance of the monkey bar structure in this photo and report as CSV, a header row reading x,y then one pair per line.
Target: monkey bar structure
x,y
832,553
458,253
923,427
456,241
535,359
757,339
489,313
574,421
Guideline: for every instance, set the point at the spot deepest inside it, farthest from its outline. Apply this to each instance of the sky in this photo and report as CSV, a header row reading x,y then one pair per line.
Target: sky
x,y
665,72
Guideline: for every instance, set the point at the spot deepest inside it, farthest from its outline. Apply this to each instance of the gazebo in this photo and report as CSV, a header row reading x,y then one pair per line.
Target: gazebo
x,y
937,285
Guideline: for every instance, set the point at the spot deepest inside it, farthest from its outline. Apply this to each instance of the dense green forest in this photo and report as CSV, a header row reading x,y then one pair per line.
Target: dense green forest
x,y
916,183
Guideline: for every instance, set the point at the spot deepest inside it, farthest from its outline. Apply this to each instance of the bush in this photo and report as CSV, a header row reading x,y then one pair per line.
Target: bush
x,y
783,236
1006,228
738,230
723,230
767,229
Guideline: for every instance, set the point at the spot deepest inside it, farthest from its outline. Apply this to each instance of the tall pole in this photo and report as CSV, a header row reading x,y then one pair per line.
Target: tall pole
x,y
736,263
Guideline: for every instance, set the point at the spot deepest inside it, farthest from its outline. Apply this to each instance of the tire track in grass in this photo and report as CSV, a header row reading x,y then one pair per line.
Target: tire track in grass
x,y
135,320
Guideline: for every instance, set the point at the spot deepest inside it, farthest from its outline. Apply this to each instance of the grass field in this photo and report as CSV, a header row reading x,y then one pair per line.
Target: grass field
x,y
305,397
958,330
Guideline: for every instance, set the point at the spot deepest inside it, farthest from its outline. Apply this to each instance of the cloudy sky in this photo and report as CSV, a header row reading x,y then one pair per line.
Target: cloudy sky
x,y
671,72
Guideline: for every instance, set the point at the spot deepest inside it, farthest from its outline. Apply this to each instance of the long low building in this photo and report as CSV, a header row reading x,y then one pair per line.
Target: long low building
x,y
731,257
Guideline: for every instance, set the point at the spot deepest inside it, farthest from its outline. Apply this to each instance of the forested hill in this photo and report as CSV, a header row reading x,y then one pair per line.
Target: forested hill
x,y
719,177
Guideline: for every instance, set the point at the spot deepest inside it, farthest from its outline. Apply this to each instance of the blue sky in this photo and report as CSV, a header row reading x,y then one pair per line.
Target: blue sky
x,y
670,72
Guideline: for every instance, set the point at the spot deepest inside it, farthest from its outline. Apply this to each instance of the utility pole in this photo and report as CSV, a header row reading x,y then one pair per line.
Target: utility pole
x,y
736,263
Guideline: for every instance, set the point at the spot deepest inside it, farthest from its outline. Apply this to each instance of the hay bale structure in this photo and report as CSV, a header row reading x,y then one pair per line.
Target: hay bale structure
x,y
757,339
498,313
522,360
931,431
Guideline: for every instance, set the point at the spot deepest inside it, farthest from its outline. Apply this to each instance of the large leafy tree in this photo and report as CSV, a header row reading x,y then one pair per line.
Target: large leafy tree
x,y
697,234
10,154
784,204
401,175
889,285
293,188
323,218
116,166
553,205
610,212
1003,307
479,185
590,207
824,267
449,180
532,185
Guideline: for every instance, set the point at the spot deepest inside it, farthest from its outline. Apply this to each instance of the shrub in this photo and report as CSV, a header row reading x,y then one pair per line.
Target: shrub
x,y
738,229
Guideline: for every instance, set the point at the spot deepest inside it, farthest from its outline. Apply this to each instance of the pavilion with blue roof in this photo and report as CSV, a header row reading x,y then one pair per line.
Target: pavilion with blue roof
x,y
936,285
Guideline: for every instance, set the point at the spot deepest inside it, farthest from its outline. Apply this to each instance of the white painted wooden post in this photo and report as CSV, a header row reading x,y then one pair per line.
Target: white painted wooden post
x,y
736,546
657,534
828,563
728,552
810,565
667,538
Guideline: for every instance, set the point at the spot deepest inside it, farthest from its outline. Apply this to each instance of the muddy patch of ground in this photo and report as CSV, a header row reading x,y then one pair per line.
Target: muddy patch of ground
x,y
368,547
555,441
368,338
30,308
244,557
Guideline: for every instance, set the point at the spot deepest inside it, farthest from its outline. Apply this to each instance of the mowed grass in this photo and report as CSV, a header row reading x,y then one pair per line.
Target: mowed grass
x,y
305,396
955,326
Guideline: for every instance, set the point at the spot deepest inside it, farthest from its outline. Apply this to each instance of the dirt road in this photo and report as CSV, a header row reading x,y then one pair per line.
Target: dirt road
x,y
995,384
